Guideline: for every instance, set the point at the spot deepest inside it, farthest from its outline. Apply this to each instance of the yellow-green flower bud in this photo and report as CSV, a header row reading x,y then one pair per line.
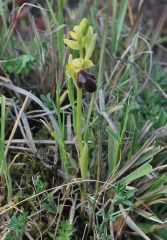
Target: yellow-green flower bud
x,y
84,26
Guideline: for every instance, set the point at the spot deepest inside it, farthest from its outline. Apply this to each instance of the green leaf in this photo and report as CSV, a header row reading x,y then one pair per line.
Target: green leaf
x,y
148,227
83,162
162,119
118,21
138,173
3,161
90,110
159,182
91,47
148,155
87,38
26,59
112,150
18,223
150,216
50,205
65,231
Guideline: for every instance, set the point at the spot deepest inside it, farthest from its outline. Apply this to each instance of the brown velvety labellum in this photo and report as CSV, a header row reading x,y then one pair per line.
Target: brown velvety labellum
x,y
90,86
86,81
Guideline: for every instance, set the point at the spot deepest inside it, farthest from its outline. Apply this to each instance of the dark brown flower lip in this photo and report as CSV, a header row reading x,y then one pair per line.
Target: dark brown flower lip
x,y
86,81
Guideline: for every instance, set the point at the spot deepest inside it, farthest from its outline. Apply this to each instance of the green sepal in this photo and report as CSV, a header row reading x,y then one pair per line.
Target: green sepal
x,y
72,44
75,36
77,65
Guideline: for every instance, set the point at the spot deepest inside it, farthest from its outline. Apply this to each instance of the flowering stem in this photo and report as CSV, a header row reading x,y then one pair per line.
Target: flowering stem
x,y
81,52
79,113
78,120
79,136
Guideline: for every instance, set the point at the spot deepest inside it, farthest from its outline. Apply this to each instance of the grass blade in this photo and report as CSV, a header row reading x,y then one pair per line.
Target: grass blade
x,y
4,171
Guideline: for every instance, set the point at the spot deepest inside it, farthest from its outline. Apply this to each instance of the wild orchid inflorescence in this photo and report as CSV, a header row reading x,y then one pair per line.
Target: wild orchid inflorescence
x,y
83,41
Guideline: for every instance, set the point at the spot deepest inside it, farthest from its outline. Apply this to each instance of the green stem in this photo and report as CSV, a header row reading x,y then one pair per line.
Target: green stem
x,y
78,121
79,127
79,113
81,52
79,136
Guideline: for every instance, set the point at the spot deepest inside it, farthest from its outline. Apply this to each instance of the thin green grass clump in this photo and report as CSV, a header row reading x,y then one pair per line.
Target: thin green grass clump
x,y
86,157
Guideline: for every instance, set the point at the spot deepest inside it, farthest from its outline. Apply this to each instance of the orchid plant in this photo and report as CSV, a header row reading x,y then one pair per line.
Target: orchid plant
x,y
83,41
